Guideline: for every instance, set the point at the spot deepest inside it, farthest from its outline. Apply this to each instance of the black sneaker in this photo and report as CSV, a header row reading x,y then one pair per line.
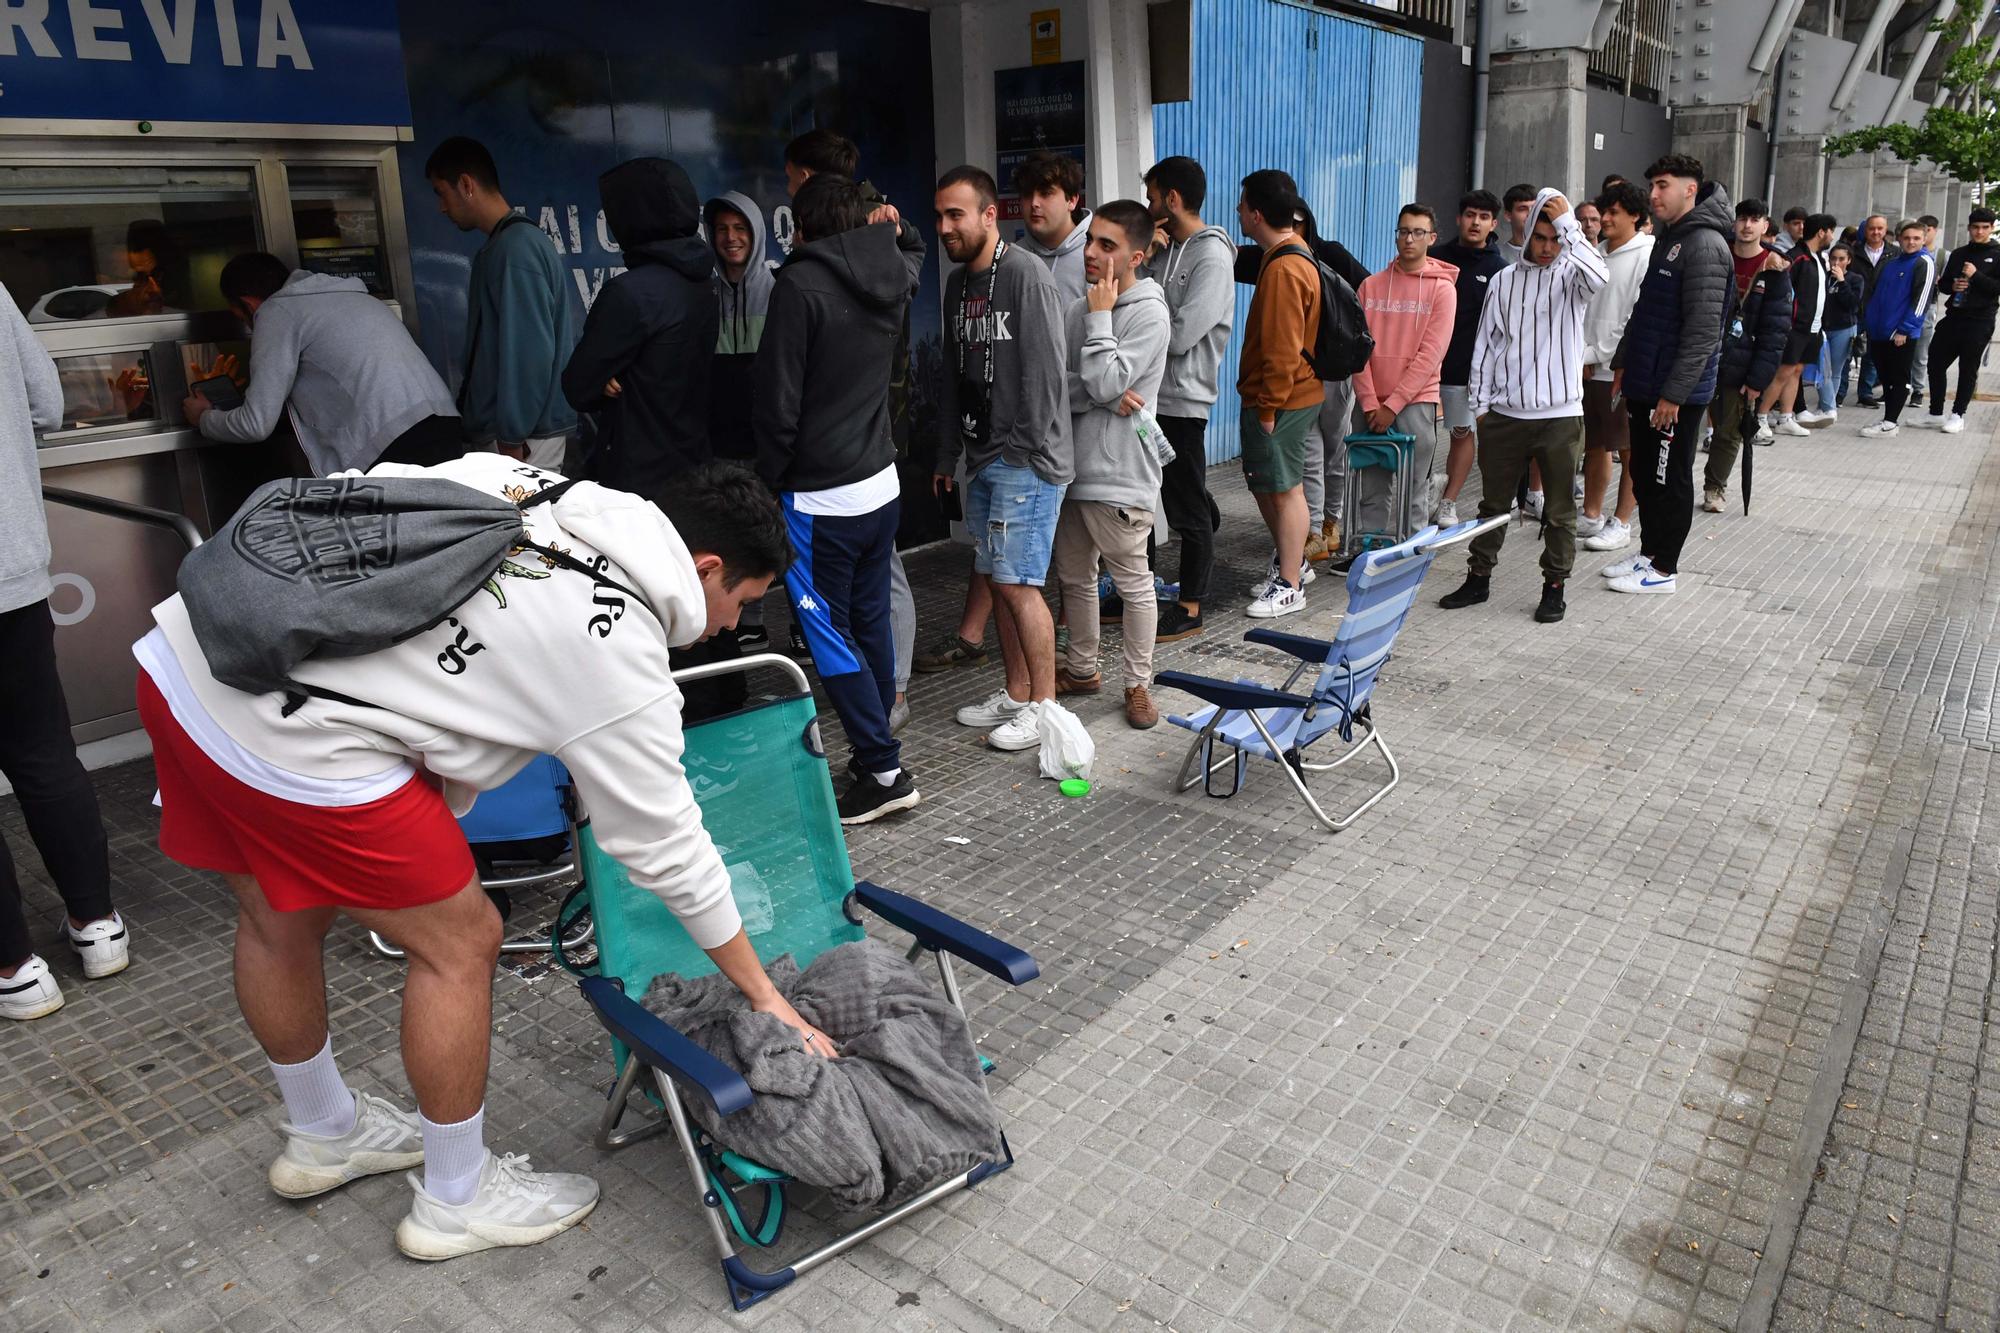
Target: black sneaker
x,y
801,653
1177,623
753,639
867,800
951,651
1475,589
1551,609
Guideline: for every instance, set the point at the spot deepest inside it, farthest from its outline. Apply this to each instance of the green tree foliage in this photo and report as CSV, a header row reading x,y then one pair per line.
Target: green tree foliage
x,y
1963,141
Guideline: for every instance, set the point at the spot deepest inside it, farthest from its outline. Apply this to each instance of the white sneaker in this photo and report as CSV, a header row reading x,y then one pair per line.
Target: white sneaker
x,y
1263,585
991,711
104,946
1789,425
1926,421
1447,515
1533,509
1883,427
1630,565
1613,536
514,1206
31,992
1953,424
1022,731
1645,581
384,1138
1764,433
1812,417
1586,526
1280,599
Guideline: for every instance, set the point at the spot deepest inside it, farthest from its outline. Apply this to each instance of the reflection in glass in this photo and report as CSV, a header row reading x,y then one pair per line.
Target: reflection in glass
x,y
339,223
111,242
106,389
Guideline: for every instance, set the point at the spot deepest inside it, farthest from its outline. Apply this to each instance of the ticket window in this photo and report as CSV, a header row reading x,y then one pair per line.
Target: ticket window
x,y
337,218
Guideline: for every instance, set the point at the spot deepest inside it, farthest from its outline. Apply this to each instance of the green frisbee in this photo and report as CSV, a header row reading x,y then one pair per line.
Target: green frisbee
x,y
1075,787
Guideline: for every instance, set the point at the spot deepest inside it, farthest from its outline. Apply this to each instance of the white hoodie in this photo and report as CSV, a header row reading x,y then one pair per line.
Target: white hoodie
x,y
1604,323
470,700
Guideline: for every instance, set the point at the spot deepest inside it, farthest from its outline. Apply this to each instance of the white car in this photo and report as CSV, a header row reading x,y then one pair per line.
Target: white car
x,y
69,303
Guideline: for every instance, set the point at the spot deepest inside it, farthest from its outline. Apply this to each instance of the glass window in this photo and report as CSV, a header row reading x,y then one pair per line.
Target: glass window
x,y
106,389
338,218
104,242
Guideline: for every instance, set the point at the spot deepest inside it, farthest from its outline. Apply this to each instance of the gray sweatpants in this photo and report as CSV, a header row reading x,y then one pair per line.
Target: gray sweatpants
x,y
1420,421
1326,453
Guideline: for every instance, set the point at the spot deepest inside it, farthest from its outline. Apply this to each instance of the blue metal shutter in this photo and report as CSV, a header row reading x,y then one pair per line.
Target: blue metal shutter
x,y
1334,101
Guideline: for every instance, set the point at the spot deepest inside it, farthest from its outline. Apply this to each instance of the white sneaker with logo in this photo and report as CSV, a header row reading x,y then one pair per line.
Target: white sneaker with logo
x,y
1644,581
513,1206
1533,508
31,992
991,711
1613,536
1953,424
1626,567
1022,731
1879,428
384,1138
1263,585
103,946
1279,599
1788,424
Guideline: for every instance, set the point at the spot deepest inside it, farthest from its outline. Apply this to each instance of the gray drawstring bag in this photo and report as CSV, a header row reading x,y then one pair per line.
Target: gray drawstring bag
x,y
343,566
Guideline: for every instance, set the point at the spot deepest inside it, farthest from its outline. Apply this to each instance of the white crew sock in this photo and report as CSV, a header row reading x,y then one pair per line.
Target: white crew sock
x,y
317,1100
887,779
453,1156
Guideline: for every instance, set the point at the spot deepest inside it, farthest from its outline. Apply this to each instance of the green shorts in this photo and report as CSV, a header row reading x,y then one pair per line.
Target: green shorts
x,y
1274,462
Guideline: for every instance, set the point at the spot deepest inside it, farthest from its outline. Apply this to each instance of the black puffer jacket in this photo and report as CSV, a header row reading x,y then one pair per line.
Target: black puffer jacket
x,y
652,329
1671,343
1754,343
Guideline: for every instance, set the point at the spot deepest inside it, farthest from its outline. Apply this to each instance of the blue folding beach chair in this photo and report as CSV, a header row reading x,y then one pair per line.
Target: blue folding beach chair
x,y
760,777
1252,718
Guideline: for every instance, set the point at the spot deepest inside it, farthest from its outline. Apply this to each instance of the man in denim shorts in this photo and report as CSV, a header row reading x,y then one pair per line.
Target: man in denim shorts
x,y
1006,411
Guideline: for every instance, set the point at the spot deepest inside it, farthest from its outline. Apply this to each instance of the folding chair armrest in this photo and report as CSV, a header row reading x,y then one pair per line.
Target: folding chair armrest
x,y
941,930
1303,647
659,1044
1464,532
1230,694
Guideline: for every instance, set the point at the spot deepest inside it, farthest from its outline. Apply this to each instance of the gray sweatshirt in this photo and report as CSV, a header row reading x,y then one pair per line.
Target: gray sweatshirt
x,y
344,366
1027,420
1198,276
30,396
1065,261
1110,352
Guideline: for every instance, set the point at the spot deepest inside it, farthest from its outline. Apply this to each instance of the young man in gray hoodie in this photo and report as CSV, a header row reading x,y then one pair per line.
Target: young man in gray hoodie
x,y
1117,337
1194,263
337,362
1006,410
1051,189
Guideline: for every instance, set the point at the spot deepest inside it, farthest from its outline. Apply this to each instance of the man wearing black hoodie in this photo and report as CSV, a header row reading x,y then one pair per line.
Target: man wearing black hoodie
x,y
821,420
642,363
1969,285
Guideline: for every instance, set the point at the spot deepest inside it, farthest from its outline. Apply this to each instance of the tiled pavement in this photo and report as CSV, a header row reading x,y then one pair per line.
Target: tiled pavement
x,y
1654,997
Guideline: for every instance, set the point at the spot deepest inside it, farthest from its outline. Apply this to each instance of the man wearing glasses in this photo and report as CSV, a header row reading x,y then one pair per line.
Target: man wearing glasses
x,y
1410,306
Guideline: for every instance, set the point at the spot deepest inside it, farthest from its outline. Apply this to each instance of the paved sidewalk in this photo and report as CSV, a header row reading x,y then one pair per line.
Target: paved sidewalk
x,y
1654,997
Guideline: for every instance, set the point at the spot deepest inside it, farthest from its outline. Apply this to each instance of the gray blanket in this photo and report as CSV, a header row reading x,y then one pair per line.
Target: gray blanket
x,y
904,1107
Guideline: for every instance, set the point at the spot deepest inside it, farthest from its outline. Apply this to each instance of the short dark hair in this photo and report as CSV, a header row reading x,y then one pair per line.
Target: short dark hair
x,y
1479,199
1980,214
1623,195
1274,196
722,509
1797,214
1519,194
1930,220
1819,222
822,152
1049,171
1417,210
978,178
1751,208
1840,248
1677,164
255,275
460,156
1183,176
1133,217
1604,186
827,205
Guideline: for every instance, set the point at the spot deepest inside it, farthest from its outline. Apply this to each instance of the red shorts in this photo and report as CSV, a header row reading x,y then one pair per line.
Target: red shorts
x,y
401,850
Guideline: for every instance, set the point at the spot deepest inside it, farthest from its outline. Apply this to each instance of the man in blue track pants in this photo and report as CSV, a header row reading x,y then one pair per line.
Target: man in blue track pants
x,y
821,423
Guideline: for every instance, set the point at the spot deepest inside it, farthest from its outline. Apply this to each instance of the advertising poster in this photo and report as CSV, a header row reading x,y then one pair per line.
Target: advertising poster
x,y
1036,108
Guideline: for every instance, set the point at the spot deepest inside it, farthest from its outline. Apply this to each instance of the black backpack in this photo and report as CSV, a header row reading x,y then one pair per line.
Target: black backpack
x,y
344,566
1344,344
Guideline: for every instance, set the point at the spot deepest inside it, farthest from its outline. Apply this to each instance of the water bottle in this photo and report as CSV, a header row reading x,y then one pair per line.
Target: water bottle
x,y
1150,433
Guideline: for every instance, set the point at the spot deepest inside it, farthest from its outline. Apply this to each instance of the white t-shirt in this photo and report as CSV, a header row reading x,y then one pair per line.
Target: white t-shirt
x,y
855,498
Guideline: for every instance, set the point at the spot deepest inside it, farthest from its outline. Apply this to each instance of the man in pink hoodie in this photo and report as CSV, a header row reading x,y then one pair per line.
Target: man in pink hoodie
x,y
1410,306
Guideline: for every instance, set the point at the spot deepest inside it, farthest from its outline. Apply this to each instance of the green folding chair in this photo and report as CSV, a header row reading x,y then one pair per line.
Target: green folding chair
x,y
760,776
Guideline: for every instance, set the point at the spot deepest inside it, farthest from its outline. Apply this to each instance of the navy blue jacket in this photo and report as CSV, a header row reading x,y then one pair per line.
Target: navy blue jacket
x,y
1674,338
1475,271
1754,342
1843,301
1901,296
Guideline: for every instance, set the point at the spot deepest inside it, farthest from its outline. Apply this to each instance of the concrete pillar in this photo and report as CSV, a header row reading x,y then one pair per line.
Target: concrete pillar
x,y
1536,112
1892,187
1801,173
1849,187
1939,194
1716,135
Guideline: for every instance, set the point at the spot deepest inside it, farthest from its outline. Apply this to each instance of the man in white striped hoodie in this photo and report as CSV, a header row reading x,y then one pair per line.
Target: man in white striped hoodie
x,y
1527,394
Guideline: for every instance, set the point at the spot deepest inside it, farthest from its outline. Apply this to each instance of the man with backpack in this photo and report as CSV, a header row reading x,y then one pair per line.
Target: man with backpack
x,y
322,786
1281,391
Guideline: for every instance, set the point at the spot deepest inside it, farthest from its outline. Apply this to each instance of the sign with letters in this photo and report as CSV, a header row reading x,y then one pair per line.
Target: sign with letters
x,y
267,62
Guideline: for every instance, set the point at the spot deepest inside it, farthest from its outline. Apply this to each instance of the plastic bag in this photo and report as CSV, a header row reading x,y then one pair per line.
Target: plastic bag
x,y
1067,750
